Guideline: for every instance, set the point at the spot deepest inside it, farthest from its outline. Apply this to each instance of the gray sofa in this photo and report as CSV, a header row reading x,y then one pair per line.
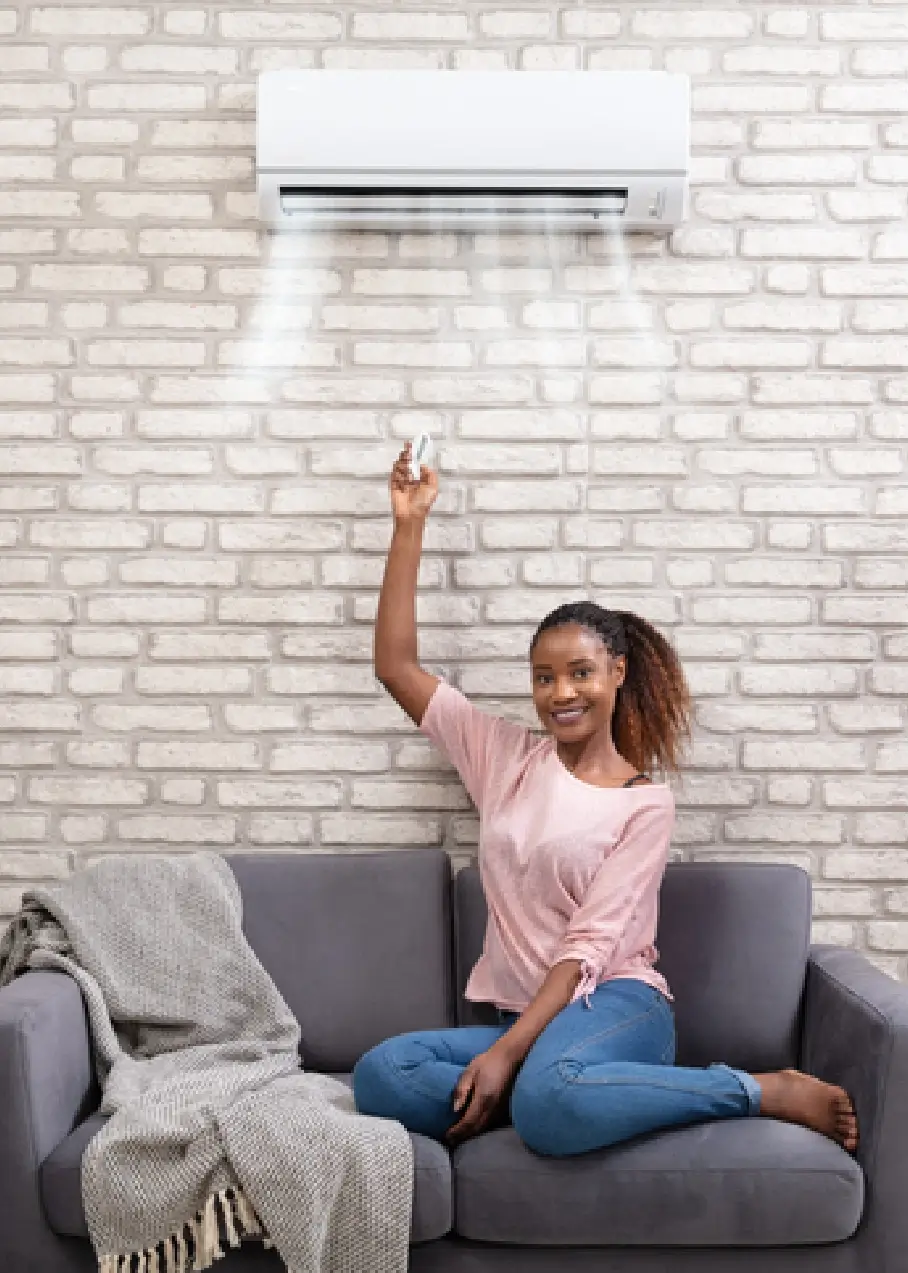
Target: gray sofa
x,y
368,945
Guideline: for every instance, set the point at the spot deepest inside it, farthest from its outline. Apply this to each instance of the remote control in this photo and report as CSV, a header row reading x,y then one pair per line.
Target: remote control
x,y
420,453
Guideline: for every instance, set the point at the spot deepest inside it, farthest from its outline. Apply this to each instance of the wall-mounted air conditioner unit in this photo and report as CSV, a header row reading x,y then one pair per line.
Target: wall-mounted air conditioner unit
x,y
472,150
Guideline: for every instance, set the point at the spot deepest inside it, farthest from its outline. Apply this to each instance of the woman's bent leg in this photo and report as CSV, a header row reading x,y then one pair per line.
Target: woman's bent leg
x,y
594,1078
412,1077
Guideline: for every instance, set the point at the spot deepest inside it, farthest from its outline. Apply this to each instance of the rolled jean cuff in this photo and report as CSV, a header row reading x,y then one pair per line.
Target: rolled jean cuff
x,y
751,1087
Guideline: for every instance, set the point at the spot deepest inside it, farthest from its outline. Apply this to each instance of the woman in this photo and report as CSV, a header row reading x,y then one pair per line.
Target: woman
x,y
574,841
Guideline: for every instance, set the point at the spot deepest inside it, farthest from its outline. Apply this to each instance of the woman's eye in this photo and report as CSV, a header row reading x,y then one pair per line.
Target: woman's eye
x,y
582,672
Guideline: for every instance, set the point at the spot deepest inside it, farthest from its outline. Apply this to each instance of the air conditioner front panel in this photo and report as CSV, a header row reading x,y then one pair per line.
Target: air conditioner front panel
x,y
471,120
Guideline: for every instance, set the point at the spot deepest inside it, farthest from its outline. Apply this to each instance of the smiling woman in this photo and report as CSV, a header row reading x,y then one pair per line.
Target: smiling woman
x,y
573,845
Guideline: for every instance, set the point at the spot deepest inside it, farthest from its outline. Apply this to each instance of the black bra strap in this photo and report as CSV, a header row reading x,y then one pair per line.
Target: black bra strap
x,y
636,778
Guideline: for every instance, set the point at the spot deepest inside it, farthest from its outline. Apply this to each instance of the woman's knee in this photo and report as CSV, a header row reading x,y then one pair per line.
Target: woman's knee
x,y
375,1081
551,1109
379,1078
536,1104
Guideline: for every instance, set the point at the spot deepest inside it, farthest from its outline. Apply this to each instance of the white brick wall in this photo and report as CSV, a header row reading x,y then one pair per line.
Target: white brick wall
x,y
710,430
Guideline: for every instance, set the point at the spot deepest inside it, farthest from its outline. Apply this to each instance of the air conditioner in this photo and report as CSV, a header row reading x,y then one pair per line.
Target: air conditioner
x,y
472,150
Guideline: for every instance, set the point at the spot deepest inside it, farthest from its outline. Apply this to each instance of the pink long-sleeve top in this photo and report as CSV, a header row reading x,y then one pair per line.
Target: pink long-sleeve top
x,y
569,870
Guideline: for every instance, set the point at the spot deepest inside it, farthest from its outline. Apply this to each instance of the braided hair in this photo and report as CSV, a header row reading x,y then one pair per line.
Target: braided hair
x,y
652,707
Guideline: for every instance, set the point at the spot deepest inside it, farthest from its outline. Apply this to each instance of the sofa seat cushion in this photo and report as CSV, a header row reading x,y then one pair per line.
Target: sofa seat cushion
x,y
61,1184
741,1182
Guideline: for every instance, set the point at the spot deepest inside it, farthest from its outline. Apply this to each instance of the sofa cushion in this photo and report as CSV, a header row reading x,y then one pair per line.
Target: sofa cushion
x,y
733,939
61,1184
358,944
738,1182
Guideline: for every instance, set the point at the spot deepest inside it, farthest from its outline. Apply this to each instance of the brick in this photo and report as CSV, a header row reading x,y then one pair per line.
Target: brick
x,y
812,134
865,99
745,206
888,169
89,278
87,791
487,573
173,59
785,170
410,26
512,24
34,352
867,609
702,24
772,60
37,716
39,203
877,353
186,22
141,96
36,95
880,62
787,23
865,205
311,608
98,168
154,206
249,793
865,793
880,316
280,829
203,134
164,718
751,353
24,58
374,829
746,99
145,353
475,392
85,59
865,280
104,132
805,316
688,61
191,242
586,24
91,21
856,25
197,168
96,242
615,59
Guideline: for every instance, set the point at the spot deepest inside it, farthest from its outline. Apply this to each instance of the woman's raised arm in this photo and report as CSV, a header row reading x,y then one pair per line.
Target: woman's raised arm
x,y
395,651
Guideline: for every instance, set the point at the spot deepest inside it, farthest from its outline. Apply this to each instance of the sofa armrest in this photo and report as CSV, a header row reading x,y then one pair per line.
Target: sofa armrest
x,y
856,1035
47,1087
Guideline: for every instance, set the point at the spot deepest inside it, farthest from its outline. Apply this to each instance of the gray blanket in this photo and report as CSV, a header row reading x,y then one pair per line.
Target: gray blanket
x,y
215,1133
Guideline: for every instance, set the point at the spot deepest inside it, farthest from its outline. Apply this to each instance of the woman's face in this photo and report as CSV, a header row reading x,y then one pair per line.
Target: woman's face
x,y
575,679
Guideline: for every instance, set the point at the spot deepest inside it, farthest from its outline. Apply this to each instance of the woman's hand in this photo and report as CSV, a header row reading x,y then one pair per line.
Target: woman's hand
x,y
411,501
482,1094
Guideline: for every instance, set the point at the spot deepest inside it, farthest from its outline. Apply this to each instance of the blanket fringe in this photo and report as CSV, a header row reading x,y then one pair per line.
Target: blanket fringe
x,y
199,1243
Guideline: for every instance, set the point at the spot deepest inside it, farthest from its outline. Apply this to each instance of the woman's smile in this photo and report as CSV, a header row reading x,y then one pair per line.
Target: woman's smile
x,y
568,715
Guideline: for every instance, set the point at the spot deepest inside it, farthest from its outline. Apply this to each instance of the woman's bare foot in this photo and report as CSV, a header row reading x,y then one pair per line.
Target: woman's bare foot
x,y
800,1098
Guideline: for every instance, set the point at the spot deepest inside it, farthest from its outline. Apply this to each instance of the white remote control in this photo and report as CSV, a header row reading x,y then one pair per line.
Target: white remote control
x,y
420,453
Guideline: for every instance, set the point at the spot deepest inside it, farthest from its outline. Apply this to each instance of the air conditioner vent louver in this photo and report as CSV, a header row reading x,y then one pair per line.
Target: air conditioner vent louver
x,y
448,209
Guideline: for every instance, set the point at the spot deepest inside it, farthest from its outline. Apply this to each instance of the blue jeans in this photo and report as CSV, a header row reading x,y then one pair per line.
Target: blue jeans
x,y
596,1075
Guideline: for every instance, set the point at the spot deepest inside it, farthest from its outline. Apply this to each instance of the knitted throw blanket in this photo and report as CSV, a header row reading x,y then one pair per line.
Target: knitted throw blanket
x,y
215,1132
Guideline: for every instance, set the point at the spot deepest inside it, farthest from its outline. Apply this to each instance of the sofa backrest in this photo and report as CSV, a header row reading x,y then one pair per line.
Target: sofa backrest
x,y
367,945
733,939
359,944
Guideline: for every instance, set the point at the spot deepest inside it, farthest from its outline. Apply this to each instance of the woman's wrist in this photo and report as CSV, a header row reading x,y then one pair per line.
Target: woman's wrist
x,y
409,527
